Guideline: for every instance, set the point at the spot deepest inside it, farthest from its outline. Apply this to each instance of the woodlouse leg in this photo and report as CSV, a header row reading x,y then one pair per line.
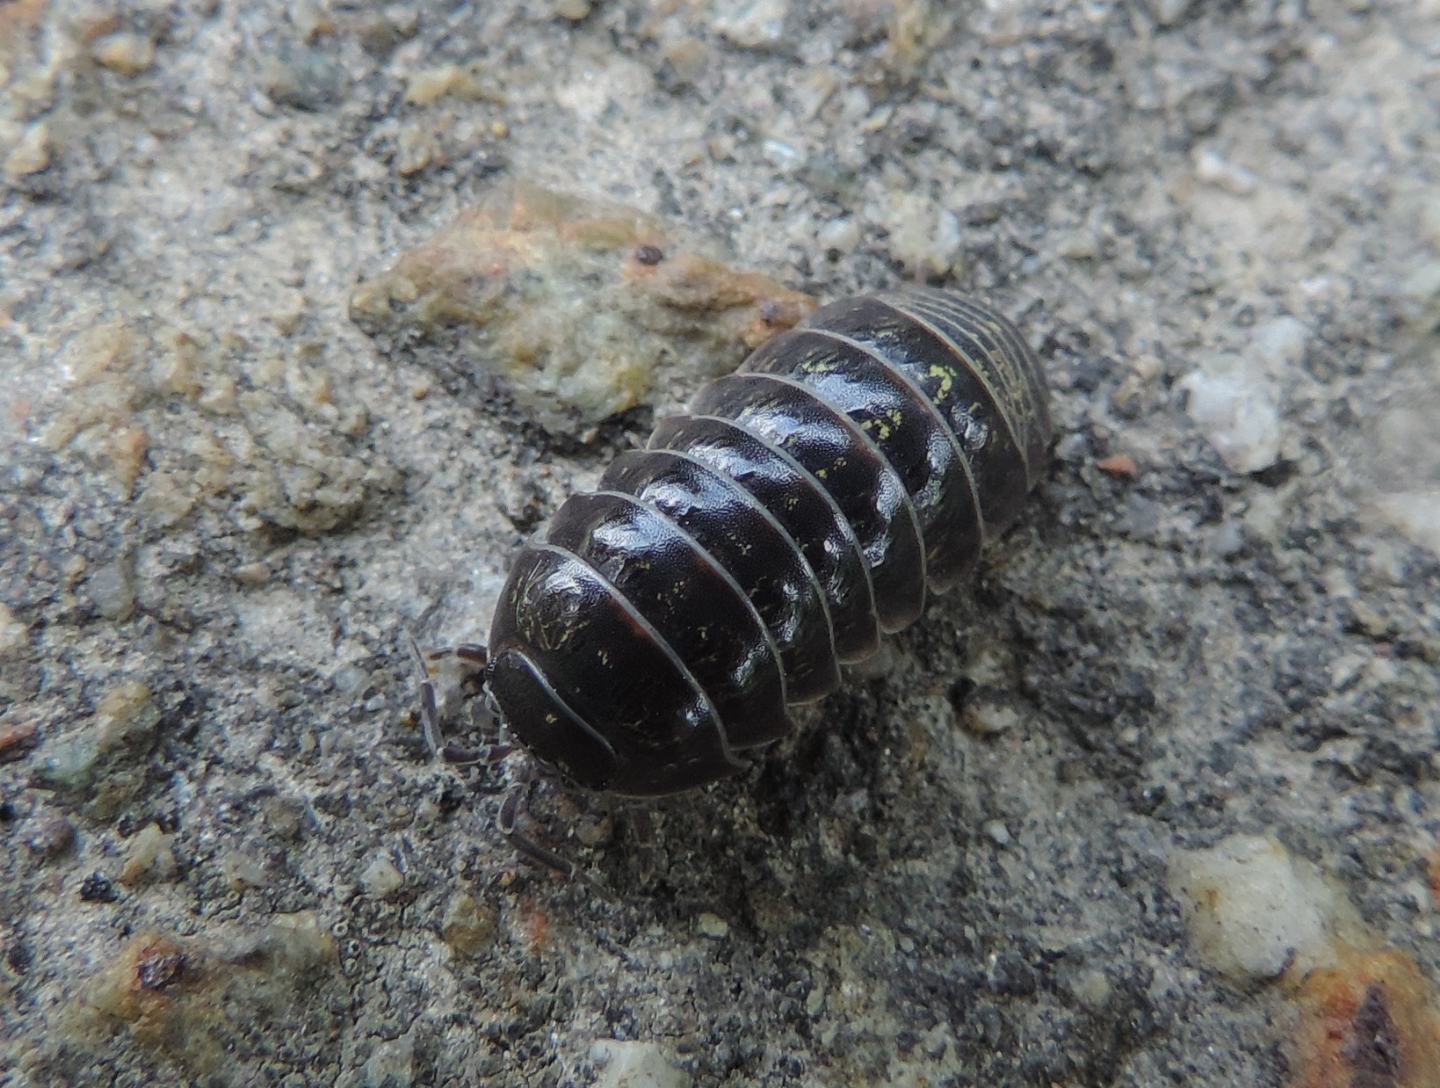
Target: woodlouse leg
x,y
472,653
487,754
429,714
474,657
511,809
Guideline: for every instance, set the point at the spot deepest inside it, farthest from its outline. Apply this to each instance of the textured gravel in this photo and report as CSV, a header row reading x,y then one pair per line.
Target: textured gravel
x,y
1208,657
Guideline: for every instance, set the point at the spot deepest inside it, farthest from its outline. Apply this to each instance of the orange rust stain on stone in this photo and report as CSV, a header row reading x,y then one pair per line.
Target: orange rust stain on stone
x,y
1369,1022
197,1001
17,16
17,19
537,930
150,974
16,741
1119,464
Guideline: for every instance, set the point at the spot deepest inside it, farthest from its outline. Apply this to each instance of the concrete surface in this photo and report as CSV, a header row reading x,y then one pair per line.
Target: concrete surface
x,y
228,859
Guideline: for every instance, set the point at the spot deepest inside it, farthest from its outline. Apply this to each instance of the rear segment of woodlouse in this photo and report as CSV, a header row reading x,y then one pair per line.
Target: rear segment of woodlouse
x,y
805,505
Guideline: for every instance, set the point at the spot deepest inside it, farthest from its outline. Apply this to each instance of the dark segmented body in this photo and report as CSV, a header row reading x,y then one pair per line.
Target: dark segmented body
x,y
806,504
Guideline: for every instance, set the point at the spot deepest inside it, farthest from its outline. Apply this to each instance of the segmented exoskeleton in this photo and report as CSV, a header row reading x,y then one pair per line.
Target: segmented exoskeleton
x,y
660,627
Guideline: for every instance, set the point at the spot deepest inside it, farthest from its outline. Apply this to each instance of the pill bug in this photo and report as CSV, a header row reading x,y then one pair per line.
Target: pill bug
x,y
663,624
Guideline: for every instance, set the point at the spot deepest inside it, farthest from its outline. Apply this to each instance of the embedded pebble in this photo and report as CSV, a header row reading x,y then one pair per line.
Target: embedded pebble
x,y
14,635
594,829
784,157
1418,292
996,832
149,858
31,154
574,10
127,714
584,308
1402,453
1255,910
1416,514
712,926
242,871
102,762
1226,539
284,817
427,86
1169,12
70,763
467,926
112,589
305,79
815,999
1214,169
752,24
380,878
924,237
1234,406
292,942
1279,343
128,54
842,235
635,1065
1083,244
415,149
391,1064
1091,987
52,836
987,718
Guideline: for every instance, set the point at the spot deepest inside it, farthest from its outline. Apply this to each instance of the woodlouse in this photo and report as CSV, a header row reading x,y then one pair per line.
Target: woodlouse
x,y
805,505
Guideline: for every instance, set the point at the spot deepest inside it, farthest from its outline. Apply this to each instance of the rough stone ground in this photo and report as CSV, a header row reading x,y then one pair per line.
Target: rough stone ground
x,y
227,860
